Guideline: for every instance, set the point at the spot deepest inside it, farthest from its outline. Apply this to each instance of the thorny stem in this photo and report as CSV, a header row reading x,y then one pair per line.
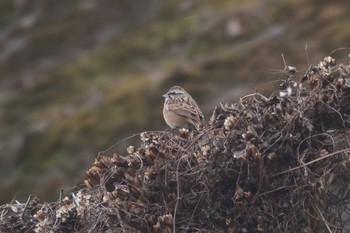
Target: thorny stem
x,y
311,162
26,206
323,219
178,180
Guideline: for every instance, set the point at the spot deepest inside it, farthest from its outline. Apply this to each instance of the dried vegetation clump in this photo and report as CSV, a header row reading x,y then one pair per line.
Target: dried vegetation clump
x,y
264,164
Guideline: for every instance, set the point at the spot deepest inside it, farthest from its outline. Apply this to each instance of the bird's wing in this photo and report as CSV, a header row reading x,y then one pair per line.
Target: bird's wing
x,y
188,109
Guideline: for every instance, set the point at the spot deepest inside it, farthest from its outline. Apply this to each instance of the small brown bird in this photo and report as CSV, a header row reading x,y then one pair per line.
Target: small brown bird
x,y
181,110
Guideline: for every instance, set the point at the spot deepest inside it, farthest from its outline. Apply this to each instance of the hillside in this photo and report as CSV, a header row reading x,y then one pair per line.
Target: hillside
x,y
78,77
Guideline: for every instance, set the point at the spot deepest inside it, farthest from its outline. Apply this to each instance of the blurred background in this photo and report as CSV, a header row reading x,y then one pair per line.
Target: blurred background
x,y
78,76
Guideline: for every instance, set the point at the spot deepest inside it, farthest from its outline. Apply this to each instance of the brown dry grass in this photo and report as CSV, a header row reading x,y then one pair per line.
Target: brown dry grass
x,y
264,164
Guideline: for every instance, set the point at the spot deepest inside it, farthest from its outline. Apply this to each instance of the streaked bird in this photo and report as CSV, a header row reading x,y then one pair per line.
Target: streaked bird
x,y
181,110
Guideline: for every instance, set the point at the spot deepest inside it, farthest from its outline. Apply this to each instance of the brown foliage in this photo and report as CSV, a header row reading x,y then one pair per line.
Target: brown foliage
x,y
277,164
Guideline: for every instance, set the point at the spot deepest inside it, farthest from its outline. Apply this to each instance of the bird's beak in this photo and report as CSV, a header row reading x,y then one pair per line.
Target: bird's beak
x,y
165,95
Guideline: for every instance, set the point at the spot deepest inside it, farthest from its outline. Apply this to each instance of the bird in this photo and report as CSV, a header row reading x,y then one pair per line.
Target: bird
x,y
181,110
